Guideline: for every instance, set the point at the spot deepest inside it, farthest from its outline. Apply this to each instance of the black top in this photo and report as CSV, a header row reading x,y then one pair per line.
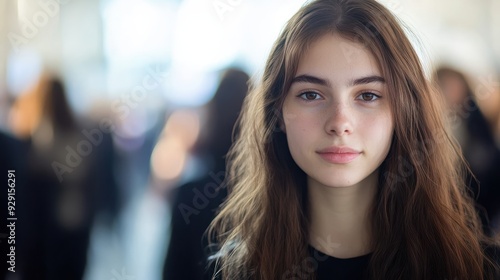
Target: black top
x,y
193,209
329,267
326,268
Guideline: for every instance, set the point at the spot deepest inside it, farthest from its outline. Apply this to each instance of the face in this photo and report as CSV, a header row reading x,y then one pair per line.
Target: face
x,y
336,115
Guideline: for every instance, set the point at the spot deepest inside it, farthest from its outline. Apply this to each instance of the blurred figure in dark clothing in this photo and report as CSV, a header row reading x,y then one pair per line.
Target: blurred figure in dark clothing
x,y
195,203
476,138
70,181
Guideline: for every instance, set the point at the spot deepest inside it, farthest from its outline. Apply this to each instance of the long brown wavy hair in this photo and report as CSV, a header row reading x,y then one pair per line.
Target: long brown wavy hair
x,y
424,222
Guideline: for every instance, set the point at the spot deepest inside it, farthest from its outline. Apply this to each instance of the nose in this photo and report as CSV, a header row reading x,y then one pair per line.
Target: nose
x,y
339,120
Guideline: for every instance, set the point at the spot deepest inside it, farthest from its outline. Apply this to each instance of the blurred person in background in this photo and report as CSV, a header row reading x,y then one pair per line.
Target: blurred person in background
x,y
496,118
477,141
171,159
70,180
194,204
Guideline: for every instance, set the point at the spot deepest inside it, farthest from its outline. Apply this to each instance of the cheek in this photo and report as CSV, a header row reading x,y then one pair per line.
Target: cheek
x,y
378,131
297,126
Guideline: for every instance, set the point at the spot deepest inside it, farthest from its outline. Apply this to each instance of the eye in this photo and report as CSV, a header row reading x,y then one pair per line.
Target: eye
x,y
368,96
310,95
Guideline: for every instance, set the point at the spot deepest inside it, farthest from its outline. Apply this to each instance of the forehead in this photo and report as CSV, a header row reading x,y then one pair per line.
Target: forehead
x,y
338,59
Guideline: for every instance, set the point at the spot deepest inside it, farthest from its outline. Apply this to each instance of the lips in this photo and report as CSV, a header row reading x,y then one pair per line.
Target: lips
x,y
338,155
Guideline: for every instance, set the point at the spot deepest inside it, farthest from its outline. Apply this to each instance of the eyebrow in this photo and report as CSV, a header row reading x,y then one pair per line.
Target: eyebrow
x,y
367,80
324,82
310,79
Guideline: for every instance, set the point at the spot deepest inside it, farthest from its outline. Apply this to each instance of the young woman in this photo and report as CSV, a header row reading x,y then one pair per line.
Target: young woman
x,y
343,167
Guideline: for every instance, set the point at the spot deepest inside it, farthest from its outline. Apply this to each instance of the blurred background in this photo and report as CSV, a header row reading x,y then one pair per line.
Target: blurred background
x,y
109,109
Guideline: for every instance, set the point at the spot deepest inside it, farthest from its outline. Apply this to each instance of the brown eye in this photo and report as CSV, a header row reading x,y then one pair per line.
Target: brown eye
x,y
310,95
369,96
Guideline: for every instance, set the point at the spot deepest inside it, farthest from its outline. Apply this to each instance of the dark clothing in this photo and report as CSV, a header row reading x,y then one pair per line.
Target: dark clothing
x,y
12,157
324,266
57,215
193,210
329,267
494,253
357,268
483,156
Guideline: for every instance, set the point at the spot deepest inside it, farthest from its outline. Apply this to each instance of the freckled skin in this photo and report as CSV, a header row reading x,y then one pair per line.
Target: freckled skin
x,y
338,113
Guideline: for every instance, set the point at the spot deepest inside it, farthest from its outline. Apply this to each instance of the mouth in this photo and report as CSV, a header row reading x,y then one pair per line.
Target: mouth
x,y
338,155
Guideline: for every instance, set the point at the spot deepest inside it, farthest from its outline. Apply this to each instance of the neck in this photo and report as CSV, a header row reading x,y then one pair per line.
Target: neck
x,y
340,217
